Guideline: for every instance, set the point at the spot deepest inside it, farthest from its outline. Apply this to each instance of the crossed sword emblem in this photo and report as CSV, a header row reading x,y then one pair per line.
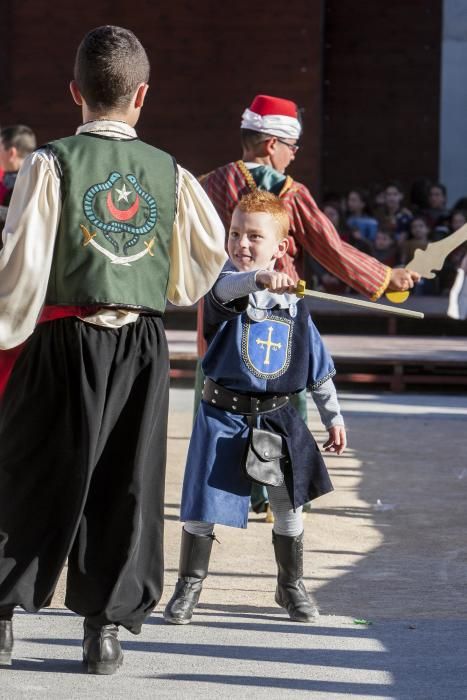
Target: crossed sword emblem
x,y
115,259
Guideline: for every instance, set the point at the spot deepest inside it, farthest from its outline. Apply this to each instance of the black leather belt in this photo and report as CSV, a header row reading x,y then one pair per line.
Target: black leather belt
x,y
245,404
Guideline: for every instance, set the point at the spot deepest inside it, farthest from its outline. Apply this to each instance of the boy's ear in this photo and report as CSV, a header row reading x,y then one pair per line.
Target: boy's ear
x,y
281,248
75,93
140,95
270,145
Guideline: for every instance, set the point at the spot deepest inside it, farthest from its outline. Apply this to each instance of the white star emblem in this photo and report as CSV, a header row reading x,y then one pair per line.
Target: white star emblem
x,y
123,193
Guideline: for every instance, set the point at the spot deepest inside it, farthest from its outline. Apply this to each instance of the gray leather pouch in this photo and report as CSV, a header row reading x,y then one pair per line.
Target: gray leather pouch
x,y
264,458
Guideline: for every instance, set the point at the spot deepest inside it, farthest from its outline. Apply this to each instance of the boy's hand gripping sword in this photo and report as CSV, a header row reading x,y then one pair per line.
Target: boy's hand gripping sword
x,y
302,291
432,258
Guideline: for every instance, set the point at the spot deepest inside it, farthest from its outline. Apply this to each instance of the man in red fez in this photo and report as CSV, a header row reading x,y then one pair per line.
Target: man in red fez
x,y
270,130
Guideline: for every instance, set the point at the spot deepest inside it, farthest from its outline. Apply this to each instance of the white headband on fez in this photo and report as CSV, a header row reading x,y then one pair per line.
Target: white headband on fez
x,y
275,124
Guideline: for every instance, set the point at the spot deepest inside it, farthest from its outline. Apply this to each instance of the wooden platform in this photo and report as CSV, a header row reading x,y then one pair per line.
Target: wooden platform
x,y
399,360
395,361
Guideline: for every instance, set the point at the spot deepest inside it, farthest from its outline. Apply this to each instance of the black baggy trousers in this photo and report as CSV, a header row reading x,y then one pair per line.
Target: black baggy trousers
x,y
83,428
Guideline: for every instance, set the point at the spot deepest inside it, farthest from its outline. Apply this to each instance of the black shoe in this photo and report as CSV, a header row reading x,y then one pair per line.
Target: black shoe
x,y
195,553
101,649
179,609
6,642
291,593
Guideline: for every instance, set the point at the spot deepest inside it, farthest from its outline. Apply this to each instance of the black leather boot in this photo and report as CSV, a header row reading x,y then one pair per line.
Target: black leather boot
x,y
101,649
291,593
6,636
193,568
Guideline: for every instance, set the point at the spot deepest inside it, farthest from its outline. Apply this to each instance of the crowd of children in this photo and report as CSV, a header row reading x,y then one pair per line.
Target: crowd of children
x,y
382,226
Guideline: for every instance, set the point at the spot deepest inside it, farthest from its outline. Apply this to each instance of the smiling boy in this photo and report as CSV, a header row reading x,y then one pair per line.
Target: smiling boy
x,y
262,348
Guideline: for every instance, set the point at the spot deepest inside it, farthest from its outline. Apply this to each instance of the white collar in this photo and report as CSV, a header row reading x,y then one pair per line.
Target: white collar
x,y
108,127
264,299
251,164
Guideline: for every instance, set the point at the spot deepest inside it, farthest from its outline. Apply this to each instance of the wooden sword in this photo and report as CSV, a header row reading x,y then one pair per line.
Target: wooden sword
x,y
302,291
432,258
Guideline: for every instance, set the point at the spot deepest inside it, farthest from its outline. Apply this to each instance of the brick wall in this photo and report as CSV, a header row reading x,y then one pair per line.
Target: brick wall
x,y
378,103
207,66
381,91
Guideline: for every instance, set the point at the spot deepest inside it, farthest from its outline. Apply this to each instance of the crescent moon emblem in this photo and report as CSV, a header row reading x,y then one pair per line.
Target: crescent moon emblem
x,y
122,214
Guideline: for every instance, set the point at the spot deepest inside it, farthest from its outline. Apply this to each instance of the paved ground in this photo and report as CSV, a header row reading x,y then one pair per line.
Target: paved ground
x,y
230,652
388,546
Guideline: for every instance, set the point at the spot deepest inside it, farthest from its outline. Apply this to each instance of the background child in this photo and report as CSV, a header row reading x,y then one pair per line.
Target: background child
x,y
385,248
16,142
392,216
358,214
263,347
419,238
437,213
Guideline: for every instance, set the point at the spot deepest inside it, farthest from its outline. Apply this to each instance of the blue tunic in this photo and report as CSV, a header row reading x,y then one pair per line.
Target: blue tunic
x,y
281,354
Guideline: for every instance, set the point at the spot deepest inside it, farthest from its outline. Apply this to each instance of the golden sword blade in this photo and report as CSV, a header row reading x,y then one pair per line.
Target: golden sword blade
x,y
302,291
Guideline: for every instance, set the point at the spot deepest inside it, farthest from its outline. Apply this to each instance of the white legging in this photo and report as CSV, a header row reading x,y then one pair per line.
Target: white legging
x,y
287,521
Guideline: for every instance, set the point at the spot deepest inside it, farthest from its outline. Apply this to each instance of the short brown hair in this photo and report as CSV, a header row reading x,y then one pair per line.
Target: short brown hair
x,y
251,139
110,64
262,201
20,137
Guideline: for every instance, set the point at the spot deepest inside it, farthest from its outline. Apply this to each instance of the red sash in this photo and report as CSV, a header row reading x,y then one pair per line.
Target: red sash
x,y
49,313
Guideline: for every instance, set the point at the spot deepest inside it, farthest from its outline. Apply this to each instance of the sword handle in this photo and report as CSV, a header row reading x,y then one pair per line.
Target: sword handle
x,y
301,287
397,297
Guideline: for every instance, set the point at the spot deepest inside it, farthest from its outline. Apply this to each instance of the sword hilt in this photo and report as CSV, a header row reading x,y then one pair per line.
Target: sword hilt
x,y
397,297
301,287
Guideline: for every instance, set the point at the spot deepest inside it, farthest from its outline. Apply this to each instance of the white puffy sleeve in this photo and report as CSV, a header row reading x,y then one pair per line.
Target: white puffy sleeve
x,y
197,251
28,244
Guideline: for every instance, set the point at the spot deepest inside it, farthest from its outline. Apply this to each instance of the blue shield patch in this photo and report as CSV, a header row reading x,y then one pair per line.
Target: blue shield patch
x,y
266,346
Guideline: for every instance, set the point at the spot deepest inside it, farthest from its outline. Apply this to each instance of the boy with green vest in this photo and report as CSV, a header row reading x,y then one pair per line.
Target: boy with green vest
x,y
102,229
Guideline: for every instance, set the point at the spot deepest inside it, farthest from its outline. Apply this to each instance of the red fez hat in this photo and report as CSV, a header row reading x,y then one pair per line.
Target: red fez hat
x,y
272,115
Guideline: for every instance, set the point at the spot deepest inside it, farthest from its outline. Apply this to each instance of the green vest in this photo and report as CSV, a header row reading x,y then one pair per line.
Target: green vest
x,y
115,228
